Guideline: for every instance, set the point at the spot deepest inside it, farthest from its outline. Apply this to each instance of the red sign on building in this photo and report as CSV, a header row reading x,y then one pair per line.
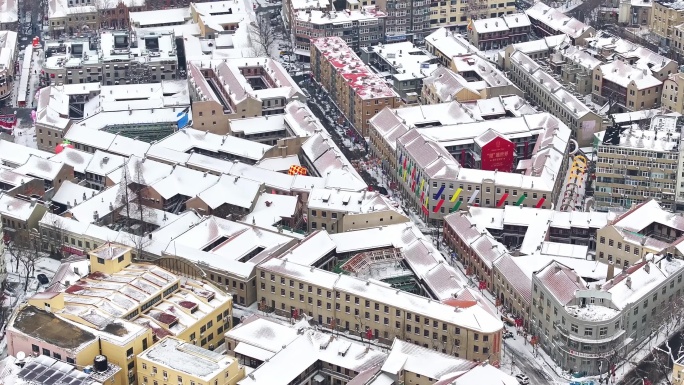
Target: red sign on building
x,y
497,154
8,121
72,250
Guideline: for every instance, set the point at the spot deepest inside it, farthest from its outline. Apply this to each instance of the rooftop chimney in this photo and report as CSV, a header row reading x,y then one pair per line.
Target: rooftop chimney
x,y
628,282
647,268
611,271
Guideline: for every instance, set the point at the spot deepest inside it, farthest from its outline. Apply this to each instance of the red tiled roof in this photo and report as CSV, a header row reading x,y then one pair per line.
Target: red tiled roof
x,y
561,281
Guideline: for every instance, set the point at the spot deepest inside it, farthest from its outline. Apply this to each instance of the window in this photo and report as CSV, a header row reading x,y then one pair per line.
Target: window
x,y
574,328
588,332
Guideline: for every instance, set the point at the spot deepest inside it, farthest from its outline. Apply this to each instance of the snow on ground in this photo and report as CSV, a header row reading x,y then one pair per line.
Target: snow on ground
x,y
14,292
34,79
25,134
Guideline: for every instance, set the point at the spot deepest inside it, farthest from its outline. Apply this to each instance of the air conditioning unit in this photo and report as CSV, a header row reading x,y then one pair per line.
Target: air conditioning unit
x,y
130,357
201,334
130,373
154,374
166,378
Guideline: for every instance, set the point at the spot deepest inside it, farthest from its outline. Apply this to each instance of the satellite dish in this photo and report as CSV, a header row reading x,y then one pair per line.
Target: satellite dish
x,y
21,356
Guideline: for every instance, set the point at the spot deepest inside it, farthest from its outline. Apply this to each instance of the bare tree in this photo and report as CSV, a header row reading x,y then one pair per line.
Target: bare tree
x,y
665,326
139,244
53,230
132,196
24,253
263,36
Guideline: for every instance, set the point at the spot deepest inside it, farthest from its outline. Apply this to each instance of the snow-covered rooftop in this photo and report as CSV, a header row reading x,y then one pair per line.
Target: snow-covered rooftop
x,y
41,168
102,163
320,17
234,191
79,160
646,214
408,61
537,221
140,170
554,87
150,98
561,281
412,358
160,16
72,53
13,155
8,11
557,21
450,43
580,56
229,74
185,357
366,83
191,139
541,170
151,47
501,24
474,317
281,164
103,203
262,333
662,135
184,181
106,141
8,45
258,125
545,44
16,208
271,209
235,240
305,350
297,5
348,202
624,74
13,179
70,193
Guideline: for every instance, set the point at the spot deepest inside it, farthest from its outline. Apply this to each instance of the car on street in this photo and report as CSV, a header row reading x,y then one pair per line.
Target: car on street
x,y
43,279
508,335
522,379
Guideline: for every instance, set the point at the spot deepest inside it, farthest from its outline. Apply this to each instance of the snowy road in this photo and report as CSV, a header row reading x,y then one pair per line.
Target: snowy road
x,y
525,363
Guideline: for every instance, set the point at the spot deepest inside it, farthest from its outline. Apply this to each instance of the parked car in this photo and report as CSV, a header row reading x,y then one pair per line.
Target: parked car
x,y
522,379
43,279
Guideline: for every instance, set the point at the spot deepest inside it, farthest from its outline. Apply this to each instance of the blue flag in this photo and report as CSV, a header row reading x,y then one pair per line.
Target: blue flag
x,y
183,118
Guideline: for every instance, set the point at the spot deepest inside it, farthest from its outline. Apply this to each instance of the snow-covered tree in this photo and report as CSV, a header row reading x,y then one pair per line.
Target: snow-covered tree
x,y
263,36
132,196
660,352
24,254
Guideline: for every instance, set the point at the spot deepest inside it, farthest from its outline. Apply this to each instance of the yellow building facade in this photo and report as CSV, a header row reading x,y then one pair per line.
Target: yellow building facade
x,y
173,361
120,310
